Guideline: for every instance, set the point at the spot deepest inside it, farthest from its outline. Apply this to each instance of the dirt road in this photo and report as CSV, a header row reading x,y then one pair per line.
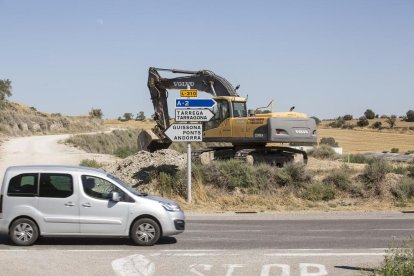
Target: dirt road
x,y
35,150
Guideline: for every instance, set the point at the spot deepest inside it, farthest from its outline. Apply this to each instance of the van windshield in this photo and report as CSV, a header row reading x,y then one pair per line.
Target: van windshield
x,y
124,185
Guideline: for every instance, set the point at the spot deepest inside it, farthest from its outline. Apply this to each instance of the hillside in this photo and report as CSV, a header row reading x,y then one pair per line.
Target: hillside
x,y
20,120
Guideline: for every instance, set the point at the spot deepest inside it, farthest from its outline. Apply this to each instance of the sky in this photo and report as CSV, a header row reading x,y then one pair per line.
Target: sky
x,y
327,58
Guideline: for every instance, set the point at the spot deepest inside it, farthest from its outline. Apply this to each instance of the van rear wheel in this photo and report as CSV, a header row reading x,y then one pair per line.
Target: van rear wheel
x,y
145,232
24,232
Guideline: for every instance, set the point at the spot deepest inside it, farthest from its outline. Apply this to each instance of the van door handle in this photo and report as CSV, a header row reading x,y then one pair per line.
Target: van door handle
x,y
87,205
69,204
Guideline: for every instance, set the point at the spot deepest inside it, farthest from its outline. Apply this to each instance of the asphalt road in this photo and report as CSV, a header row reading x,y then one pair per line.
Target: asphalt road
x,y
225,244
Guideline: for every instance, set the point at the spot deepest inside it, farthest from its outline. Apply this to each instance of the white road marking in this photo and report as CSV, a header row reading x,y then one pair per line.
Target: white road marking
x,y
359,230
134,265
327,254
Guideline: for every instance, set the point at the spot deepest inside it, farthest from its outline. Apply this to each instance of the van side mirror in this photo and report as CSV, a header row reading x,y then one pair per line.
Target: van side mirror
x,y
116,197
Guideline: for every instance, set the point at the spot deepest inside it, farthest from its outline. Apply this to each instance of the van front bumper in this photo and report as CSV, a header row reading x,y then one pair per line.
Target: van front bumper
x,y
175,225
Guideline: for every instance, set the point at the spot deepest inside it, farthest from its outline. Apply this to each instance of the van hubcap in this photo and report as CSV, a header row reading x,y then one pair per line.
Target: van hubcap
x,y
145,232
23,232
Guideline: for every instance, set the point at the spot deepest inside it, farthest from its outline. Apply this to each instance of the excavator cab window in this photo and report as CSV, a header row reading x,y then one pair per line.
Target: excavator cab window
x,y
221,112
239,109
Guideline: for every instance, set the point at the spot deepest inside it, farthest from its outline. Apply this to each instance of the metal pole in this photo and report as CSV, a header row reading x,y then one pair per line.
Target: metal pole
x,y
188,172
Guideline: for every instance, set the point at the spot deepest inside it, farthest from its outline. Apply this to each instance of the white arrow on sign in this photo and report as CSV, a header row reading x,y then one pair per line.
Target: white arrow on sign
x,y
185,132
195,115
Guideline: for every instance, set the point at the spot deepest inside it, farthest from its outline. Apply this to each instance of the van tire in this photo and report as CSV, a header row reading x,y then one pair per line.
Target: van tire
x,y
145,232
24,232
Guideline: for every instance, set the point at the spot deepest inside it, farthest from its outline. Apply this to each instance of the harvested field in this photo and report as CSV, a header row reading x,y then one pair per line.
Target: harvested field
x,y
355,140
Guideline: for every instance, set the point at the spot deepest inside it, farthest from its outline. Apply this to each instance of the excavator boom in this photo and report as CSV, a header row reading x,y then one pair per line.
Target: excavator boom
x,y
203,80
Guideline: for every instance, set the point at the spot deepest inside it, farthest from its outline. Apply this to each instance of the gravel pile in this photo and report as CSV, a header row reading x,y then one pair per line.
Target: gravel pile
x,y
136,169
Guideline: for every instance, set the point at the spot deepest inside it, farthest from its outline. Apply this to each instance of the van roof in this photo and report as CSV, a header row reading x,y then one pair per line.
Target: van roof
x,y
53,168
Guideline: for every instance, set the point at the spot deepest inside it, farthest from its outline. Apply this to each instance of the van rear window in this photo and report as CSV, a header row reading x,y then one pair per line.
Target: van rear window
x,y
23,185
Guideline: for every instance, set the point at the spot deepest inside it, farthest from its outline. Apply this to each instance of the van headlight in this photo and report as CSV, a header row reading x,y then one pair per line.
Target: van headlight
x,y
171,207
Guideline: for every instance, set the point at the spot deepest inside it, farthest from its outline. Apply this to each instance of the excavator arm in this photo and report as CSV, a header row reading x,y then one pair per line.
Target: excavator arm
x,y
203,80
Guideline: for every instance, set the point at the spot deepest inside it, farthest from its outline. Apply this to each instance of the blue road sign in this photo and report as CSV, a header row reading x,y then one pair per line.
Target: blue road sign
x,y
195,103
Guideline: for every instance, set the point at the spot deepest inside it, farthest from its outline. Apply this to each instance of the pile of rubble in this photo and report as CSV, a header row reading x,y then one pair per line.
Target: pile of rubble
x,y
135,170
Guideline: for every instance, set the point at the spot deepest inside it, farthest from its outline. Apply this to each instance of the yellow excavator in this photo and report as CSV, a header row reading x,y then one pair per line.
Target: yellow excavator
x,y
252,135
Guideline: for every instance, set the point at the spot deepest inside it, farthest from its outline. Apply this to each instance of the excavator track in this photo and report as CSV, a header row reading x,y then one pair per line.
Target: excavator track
x,y
276,156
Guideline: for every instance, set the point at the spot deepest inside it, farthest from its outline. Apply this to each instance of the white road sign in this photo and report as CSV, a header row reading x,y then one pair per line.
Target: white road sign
x,y
185,132
195,115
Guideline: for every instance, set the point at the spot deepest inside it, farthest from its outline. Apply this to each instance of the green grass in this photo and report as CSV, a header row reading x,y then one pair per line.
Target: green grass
x,y
323,152
399,261
121,143
92,163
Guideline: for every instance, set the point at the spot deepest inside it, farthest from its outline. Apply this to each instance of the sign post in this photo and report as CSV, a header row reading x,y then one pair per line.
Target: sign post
x,y
189,111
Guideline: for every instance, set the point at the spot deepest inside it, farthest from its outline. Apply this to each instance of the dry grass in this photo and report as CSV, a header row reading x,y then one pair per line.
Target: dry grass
x,y
20,120
356,140
114,123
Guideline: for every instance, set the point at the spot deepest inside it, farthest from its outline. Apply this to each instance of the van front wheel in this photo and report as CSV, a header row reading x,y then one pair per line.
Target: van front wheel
x,y
24,232
145,231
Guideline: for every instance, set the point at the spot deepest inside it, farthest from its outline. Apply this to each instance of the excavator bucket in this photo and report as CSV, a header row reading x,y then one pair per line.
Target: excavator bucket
x,y
149,141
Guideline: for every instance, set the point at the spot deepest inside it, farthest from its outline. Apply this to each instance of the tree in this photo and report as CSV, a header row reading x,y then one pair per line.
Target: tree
x,y
369,114
140,116
96,113
377,125
5,89
128,116
410,116
363,121
391,120
348,117
330,141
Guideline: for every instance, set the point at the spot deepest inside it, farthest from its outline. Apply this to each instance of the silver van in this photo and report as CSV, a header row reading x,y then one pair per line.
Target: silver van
x,y
77,201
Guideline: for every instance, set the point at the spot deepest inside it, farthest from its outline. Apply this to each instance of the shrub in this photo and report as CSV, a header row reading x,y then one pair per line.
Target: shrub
x,y
395,150
96,113
340,177
404,189
410,116
339,122
399,261
140,116
369,114
358,158
128,116
123,152
391,121
171,184
374,173
297,174
92,163
319,191
348,117
348,126
377,125
330,141
362,121
323,152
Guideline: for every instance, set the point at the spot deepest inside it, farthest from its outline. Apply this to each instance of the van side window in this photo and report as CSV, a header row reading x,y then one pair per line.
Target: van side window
x,y
55,185
100,188
24,185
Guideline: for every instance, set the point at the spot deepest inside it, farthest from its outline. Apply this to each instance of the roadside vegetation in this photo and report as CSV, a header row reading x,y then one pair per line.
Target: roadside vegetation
x,y
234,185
399,261
121,143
